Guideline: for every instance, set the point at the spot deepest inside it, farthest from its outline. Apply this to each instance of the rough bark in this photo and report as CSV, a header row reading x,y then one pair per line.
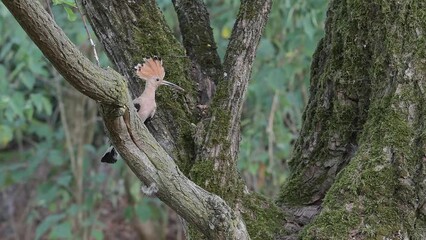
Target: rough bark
x,y
149,32
132,30
359,160
66,58
219,133
208,212
200,46
149,161
359,164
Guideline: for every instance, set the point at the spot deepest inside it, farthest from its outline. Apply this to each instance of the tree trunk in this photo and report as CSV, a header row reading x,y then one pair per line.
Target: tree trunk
x,y
358,165
213,146
130,30
359,160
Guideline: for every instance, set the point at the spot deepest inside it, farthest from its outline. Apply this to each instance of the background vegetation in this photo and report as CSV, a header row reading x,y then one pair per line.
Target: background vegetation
x,y
52,183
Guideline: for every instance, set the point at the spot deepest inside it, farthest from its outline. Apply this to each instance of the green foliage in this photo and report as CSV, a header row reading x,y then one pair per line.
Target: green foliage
x,y
20,97
68,5
47,223
281,72
33,140
33,148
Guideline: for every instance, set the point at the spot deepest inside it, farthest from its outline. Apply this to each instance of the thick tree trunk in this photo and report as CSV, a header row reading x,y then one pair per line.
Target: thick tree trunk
x,y
358,166
131,30
360,158
213,147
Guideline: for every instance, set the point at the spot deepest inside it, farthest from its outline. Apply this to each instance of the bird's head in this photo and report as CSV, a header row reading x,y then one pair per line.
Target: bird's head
x,y
152,71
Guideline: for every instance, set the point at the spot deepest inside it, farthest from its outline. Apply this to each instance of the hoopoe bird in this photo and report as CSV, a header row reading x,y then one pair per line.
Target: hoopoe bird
x,y
152,72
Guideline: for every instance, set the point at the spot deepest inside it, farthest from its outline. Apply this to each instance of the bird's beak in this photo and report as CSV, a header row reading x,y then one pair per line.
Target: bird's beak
x,y
172,85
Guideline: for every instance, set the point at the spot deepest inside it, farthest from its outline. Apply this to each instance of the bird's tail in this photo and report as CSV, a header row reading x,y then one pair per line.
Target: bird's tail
x,y
110,155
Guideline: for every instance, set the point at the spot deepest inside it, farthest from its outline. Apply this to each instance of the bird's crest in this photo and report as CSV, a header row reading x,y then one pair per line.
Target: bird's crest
x,y
152,68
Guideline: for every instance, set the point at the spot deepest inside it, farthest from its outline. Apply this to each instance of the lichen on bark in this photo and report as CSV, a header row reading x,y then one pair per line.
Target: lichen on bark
x,y
365,116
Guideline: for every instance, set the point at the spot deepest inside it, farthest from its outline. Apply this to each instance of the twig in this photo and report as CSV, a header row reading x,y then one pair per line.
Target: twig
x,y
89,36
9,199
270,129
49,9
289,123
68,140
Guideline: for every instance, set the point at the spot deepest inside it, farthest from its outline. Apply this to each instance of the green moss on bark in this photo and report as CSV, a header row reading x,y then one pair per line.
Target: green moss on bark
x,y
153,37
362,201
366,92
263,218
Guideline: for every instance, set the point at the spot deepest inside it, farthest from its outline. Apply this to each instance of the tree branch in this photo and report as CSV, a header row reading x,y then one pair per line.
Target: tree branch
x,y
131,30
218,135
142,153
108,86
239,59
227,104
156,168
200,46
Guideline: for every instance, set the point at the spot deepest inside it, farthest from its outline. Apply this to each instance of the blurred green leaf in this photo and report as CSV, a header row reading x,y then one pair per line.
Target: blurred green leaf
x,y
37,101
67,2
128,212
73,210
252,168
55,158
61,231
47,106
309,29
17,70
46,193
28,111
42,130
226,32
144,212
266,49
64,180
28,80
135,189
5,49
70,14
17,104
6,135
47,223
97,234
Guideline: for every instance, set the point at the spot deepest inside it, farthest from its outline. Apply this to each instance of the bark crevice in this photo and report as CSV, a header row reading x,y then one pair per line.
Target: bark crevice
x,y
363,101
148,160
200,46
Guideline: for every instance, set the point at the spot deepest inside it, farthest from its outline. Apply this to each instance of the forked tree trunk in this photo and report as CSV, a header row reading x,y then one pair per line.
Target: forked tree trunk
x,y
208,150
358,165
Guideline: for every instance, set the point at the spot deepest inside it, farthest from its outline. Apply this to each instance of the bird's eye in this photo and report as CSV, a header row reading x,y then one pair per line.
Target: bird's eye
x,y
137,106
158,79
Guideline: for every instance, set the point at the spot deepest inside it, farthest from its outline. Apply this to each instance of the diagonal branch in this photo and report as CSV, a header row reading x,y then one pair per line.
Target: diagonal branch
x,y
66,58
131,30
229,98
200,46
149,161
241,51
141,151
218,135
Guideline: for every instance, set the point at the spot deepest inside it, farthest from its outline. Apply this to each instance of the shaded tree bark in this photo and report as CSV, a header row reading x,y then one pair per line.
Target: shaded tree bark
x,y
127,30
358,165
359,160
199,43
